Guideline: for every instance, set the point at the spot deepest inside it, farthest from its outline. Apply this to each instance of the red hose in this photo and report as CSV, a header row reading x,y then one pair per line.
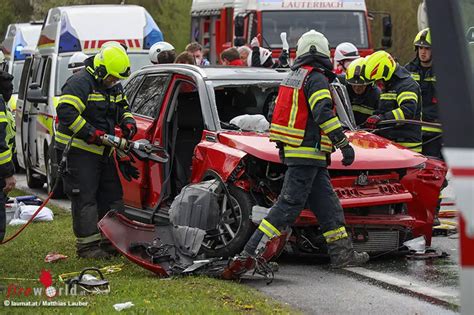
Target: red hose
x,y
29,221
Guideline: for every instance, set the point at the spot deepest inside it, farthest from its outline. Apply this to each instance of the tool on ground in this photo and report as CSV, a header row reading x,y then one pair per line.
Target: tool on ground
x,y
104,270
87,282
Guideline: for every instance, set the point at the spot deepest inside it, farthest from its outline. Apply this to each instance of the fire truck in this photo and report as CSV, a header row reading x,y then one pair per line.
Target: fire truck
x,y
219,24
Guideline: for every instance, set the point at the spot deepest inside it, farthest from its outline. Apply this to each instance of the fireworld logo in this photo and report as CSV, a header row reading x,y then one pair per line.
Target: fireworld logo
x,y
48,290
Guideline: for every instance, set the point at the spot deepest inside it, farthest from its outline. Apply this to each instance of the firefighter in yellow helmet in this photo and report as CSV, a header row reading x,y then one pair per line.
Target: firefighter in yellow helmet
x,y
400,100
93,104
363,94
421,69
305,128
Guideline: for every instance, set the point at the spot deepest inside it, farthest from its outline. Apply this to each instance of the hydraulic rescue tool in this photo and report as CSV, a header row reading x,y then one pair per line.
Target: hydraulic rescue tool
x,y
142,149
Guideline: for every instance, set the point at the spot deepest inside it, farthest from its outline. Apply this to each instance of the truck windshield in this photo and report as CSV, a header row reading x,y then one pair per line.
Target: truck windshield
x,y
137,61
16,73
337,26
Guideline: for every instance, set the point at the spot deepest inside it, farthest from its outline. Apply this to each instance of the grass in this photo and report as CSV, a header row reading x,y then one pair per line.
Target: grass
x,y
24,258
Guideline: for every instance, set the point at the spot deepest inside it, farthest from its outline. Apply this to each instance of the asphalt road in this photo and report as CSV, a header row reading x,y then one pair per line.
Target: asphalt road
x,y
388,285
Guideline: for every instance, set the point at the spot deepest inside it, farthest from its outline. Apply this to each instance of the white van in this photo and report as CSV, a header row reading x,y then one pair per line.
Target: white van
x,y
20,40
68,30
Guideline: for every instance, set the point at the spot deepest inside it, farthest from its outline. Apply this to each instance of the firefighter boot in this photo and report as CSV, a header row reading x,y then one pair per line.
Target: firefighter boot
x,y
343,255
107,247
265,252
91,250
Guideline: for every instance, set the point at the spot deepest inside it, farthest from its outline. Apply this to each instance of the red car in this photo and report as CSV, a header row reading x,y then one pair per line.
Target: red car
x,y
389,193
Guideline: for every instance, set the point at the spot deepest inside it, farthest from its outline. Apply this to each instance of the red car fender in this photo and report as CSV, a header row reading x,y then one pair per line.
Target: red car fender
x,y
212,155
424,182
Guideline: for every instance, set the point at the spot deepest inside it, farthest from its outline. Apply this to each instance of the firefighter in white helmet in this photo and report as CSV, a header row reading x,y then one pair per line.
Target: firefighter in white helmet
x,y
76,62
305,128
161,53
344,54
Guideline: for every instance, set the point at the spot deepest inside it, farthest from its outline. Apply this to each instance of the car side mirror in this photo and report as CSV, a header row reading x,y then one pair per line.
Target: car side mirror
x,y
35,95
387,31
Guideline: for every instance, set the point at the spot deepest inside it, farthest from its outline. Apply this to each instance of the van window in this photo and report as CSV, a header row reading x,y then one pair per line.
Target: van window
x,y
46,78
149,97
24,77
16,72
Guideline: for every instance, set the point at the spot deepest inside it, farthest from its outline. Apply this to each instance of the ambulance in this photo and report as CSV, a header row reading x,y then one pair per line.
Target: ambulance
x,y
67,30
20,40
218,24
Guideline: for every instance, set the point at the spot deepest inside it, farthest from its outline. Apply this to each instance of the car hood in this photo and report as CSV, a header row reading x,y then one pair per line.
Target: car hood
x,y
371,151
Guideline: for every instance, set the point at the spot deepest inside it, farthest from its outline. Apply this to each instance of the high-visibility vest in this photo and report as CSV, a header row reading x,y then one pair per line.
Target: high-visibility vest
x,y
291,110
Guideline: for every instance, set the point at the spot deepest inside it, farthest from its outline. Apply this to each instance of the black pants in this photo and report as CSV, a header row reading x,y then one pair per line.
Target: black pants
x,y
303,185
94,188
432,147
3,215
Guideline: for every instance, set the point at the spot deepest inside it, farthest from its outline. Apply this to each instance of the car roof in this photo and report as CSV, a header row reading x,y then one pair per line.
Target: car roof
x,y
221,72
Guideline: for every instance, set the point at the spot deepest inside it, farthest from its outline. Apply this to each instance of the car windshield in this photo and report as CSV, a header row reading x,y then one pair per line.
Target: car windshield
x,y
16,72
338,26
238,97
137,61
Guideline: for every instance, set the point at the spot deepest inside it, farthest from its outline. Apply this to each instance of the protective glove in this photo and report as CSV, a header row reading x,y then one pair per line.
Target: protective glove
x,y
372,121
255,42
129,130
348,155
96,137
283,58
126,168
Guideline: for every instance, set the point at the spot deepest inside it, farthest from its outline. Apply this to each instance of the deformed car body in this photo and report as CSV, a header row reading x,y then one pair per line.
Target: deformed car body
x,y
389,194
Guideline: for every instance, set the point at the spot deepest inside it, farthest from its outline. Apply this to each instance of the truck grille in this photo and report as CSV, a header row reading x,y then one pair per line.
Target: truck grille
x,y
378,241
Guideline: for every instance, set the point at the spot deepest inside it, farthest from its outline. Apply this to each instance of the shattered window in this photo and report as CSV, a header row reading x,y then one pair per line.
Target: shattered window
x,y
149,97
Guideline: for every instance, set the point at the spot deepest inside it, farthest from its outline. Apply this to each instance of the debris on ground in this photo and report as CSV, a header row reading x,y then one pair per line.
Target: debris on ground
x,y
53,257
123,306
429,253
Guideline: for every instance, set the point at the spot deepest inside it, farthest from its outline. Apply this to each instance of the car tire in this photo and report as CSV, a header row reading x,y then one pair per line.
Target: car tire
x,y
52,174
31,181
245,229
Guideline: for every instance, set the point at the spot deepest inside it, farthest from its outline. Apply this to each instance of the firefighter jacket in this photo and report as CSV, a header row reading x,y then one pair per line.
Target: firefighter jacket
x,y
6,165
304,121
427,81
85,106
364,105
400,100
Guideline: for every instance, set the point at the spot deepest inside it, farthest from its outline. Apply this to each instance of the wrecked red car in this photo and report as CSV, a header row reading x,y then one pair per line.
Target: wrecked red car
x,y
389,194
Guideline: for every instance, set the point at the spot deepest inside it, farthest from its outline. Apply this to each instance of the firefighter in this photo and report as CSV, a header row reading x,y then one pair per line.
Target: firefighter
x,y
422,71
399,100
161,53
76,62
93,104
305,128
7,169
344,54
363,94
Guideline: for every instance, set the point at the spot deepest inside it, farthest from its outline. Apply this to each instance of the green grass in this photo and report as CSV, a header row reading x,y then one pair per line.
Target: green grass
x,y
24,258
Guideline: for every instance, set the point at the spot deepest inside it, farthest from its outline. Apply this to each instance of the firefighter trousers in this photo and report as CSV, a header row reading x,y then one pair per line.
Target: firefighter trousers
x,y
93,186
431,146
303,185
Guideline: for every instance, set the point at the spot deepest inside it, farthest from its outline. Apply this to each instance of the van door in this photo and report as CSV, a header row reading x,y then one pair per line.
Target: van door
x,y
146,97
24,118
19,115
32,110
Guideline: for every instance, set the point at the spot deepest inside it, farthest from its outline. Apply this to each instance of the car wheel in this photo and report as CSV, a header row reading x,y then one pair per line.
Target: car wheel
x,y
233,232
52,175
31,180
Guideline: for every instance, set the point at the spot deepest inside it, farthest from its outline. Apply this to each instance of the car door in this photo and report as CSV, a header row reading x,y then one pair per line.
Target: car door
x,y
145,94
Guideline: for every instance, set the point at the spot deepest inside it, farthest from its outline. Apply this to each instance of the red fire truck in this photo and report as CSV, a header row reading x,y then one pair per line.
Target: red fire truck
x,y
218,24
